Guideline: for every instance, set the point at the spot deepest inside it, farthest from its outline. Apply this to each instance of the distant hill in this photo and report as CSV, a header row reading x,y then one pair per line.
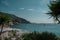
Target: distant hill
x,y
14,19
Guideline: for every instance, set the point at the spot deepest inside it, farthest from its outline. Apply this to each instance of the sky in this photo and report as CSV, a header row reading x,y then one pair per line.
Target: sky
x,y
31,10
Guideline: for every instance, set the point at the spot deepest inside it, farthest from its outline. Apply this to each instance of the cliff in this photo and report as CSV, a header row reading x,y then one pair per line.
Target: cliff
x,y
14,19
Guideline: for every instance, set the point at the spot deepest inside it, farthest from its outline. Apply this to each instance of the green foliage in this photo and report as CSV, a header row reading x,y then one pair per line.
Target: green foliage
x,y
39,36
48,36
7,38
4,19
14,33
54,12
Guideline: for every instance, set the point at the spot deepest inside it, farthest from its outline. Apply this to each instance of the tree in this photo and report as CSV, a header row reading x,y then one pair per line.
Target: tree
x,y
4,19
54,12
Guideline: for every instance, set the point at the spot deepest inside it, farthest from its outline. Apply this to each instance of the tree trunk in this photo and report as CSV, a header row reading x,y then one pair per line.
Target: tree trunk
x,y
1,29
58,20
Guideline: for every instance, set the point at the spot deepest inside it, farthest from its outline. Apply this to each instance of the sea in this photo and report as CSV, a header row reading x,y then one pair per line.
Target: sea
x,y
54,28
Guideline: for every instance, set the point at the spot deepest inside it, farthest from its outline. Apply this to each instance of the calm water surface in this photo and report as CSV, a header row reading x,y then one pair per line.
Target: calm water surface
x,y
55,28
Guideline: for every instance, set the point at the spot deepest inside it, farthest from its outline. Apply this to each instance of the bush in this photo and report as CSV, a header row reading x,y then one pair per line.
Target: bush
x,y
39,36
7,38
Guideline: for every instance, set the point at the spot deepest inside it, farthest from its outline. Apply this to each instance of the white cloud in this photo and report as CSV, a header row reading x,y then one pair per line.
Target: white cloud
x,y
22,8
30,9
5,3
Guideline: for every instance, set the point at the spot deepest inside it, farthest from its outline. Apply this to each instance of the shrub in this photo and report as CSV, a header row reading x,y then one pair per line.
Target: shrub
x,y
39,36
7,38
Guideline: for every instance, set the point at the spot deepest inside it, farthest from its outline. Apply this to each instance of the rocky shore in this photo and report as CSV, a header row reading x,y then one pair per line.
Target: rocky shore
x,y
12,33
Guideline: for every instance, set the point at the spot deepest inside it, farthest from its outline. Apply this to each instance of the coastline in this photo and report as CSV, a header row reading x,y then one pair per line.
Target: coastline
x,y
20,31
8,28
12,33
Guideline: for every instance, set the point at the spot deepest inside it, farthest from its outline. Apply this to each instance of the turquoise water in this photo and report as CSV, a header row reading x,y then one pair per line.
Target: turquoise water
x,y
54,28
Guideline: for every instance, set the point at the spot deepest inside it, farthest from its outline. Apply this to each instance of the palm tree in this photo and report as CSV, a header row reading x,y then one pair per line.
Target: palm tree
x,y
4,19
54,12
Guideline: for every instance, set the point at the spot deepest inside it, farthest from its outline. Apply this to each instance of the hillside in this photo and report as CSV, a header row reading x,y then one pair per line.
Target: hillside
x,y
14,19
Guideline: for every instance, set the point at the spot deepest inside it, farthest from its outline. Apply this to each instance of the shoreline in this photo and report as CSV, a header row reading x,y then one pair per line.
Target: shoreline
x,y
20,31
